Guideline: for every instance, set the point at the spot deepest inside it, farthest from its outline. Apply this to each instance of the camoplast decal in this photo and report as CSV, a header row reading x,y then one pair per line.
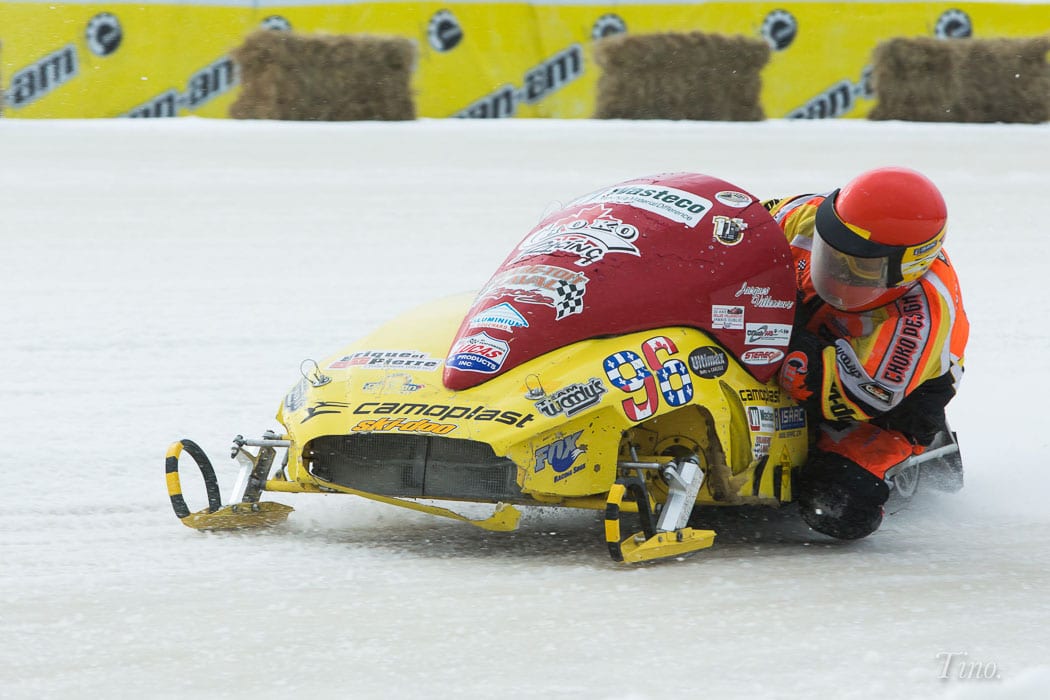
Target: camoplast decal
x,y
478,353
561,455
760,298
443,412
762,356
727,317
708,362
387,359
761,419
549,285
502,317
728,231
589,234
767,334
765,395
409,426
398,382
572,399
650,374
671,203
791,418
730,198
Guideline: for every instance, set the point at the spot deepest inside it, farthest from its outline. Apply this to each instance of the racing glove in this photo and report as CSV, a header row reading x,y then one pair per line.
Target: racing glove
x,y
801,374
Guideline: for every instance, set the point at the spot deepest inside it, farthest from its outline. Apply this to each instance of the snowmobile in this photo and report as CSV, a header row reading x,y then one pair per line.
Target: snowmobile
x,y
623,358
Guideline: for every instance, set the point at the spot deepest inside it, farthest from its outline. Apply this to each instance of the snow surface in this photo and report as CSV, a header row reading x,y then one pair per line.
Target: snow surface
x,y
165,280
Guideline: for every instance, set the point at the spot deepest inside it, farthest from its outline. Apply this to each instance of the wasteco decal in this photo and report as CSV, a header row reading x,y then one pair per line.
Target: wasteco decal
x,y
674,204
444,412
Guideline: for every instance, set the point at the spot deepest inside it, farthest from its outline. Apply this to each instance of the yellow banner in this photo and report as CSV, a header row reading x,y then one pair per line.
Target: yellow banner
x,y
476,59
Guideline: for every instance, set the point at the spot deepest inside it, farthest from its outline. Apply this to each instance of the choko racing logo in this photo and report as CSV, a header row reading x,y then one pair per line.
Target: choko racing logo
x,y
589,234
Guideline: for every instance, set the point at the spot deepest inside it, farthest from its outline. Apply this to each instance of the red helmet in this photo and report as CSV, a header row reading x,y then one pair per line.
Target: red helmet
x,y
876,237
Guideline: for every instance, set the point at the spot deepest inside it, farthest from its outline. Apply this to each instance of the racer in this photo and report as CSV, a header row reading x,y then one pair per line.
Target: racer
x,y
878,340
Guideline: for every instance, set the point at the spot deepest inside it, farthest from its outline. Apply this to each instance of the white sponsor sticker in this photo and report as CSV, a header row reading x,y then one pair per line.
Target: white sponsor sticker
x,y
733,199
671,203
761,419
502,316
730,318
762,356
767,334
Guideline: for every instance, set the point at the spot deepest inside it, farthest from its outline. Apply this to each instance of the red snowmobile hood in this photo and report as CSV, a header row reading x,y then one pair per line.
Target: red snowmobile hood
x,y
682,249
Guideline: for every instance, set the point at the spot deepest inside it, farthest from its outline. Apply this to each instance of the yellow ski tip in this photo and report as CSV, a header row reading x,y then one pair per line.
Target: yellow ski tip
x,y
239,516
665,544
504,519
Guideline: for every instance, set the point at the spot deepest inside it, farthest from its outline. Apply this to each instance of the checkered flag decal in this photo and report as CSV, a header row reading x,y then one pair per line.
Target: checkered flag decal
x,y
568,298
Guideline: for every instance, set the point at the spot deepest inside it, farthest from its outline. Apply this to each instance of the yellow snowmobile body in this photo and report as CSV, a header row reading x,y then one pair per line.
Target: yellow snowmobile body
x,y
497,397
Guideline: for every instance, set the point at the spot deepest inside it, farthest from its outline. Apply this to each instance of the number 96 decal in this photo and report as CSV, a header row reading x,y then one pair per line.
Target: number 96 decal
x,y
647,377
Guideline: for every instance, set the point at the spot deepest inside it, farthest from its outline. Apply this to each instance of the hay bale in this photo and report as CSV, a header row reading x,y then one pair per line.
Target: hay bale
x,y
962,80
680,76
292,76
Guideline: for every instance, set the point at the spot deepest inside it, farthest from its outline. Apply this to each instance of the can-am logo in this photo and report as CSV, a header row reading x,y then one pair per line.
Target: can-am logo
x,y
478,353
762,356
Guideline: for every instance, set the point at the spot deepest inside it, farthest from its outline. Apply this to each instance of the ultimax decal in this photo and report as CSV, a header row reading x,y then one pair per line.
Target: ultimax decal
x,y
443,412
572,399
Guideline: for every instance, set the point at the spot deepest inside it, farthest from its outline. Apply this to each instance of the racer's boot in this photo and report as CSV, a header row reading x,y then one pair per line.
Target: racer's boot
x,y
843,486
840,498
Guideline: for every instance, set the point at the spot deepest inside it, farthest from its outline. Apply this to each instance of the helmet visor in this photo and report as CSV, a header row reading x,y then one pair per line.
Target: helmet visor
x,y
847,282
